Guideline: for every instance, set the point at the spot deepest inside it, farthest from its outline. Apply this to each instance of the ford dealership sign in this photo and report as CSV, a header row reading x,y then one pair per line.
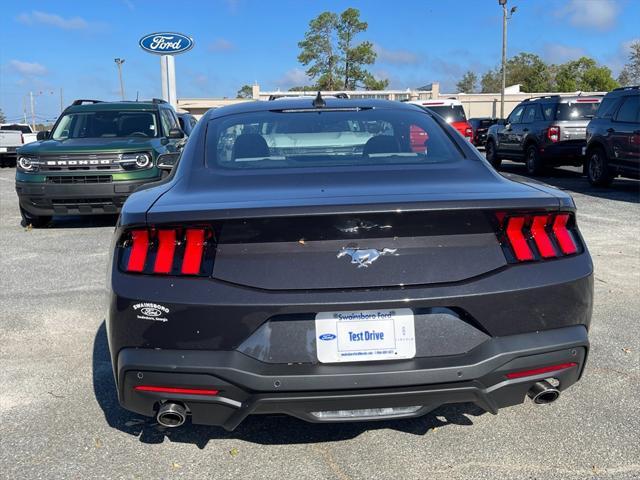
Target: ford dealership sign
x,y
166,43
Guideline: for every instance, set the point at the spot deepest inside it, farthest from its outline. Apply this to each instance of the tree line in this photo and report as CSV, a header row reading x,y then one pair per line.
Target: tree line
x,y
335,59
535,75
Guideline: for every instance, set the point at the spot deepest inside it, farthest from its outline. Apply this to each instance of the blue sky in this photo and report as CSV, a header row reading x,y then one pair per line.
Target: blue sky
x,y
48,45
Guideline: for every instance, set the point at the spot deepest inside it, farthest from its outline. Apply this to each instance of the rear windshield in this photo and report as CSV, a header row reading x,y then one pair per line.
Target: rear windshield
x,y
312,138
18,128
451,113
106,124
576,111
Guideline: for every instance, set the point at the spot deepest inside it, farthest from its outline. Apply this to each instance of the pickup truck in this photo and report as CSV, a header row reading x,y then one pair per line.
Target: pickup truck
x,y
12,137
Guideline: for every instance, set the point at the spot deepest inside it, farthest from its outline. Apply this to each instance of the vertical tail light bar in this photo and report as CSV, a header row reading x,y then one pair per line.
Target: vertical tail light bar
x,y
517,239
193,251
541,237
168,251
537,236
562,234
138,253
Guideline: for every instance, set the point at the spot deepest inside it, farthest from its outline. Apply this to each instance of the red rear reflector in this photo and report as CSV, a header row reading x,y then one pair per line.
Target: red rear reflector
x,y
166,248
540,236
567,245
187,391
539,371
193,252
517,240
138,255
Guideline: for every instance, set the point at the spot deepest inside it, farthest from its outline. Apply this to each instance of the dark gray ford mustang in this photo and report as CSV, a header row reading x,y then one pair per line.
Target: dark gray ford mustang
x,y
341,260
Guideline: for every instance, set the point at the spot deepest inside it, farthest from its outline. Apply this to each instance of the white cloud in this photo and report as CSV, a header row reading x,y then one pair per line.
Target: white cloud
x,y
221,45
396,57
598,14
558,53
293,78
27,69
53,20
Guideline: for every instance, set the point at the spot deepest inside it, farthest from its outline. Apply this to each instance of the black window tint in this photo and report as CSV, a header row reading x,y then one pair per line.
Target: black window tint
x,y
451,113
628,111
529,114
607,107
516,115
548,110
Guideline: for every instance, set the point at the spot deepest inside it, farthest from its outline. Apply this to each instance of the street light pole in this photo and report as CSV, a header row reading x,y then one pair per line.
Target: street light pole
x,y
119,62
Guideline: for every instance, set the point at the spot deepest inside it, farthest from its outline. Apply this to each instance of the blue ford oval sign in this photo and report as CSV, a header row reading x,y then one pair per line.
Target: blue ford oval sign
x,y
327,336
166,43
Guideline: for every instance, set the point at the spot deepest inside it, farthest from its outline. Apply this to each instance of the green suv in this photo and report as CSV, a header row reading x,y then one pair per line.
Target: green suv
x,y
95,156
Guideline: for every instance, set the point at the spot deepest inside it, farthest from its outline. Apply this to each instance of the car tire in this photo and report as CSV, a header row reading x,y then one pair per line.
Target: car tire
x,y
491,153
36,221
533,161
598,171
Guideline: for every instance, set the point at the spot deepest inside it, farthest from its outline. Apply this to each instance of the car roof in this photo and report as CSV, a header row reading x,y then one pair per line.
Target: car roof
x,y
564,99
306,104
436,102
112,106
635,89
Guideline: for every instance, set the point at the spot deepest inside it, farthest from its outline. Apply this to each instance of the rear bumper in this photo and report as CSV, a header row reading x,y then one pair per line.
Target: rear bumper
x,y
76,199
564,153
247,386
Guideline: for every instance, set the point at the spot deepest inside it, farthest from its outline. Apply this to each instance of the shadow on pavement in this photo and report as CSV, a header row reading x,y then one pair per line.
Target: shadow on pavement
x,y
259,429
572,180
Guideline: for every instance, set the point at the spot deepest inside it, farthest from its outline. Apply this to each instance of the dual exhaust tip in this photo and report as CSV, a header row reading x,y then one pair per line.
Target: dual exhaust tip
x,y
543,393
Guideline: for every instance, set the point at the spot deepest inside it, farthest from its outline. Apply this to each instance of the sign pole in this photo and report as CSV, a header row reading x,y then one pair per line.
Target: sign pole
x,y
168,70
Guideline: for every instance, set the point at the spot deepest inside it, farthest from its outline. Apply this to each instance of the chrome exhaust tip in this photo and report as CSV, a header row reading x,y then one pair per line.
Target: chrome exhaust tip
x,y
543,393
171,415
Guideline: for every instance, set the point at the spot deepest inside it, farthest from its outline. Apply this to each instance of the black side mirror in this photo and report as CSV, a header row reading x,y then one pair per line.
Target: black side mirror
x,y
167,161
42,135
176,133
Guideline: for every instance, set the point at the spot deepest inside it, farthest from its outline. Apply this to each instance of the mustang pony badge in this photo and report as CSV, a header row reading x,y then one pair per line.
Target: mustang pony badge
x,y
366,256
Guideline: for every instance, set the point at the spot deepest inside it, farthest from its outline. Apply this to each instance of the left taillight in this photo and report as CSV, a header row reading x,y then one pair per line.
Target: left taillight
x,y
538,236
468,133
168,251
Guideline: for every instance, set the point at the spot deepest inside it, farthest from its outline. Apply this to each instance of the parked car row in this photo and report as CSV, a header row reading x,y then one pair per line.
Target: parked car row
x,y
600,134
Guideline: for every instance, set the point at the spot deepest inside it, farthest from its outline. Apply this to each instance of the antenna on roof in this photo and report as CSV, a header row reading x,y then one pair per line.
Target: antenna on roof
x,y
319,102
137,94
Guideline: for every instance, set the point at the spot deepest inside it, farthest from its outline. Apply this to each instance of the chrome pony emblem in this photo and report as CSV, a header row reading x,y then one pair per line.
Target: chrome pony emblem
x,y
365,257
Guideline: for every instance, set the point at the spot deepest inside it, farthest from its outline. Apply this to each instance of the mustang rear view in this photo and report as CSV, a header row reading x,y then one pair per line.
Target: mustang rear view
x,y
306,257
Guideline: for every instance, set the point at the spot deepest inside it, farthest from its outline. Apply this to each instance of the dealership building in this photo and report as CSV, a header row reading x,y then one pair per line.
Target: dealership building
x,y
475,104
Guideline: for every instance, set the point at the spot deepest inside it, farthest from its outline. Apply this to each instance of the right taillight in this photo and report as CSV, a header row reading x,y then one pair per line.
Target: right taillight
x,y
537,236
553,134
168,251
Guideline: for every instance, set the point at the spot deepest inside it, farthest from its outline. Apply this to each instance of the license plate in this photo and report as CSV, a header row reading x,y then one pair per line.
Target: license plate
x,y
367,335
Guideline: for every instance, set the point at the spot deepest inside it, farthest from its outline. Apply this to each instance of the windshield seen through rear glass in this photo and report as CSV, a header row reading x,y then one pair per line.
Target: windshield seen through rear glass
x,y
106,124
313,138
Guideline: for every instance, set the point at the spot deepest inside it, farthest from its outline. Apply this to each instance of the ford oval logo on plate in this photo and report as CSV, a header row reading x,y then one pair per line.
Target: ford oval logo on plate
x,y
166,43
327,336
151,312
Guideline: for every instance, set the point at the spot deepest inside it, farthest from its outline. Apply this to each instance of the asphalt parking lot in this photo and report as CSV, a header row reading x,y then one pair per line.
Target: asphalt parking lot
x,y
60,417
